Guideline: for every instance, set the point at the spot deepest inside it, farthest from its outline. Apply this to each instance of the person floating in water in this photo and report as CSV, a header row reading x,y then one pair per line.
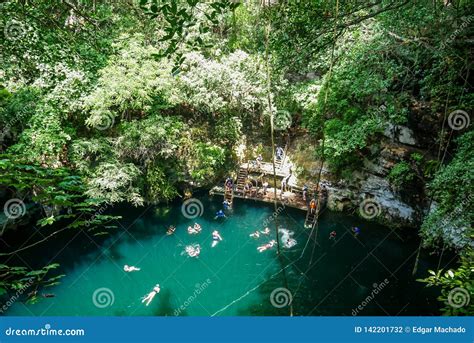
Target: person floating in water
x,y
216,238
197,251
149,297
333,235
356,231
226,204
255,234
220,214
193,250
290,243
194,230
269,245
129,269
171,230
266,231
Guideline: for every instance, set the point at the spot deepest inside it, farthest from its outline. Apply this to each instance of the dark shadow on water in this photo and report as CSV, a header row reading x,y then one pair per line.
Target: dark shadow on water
x,y
163,306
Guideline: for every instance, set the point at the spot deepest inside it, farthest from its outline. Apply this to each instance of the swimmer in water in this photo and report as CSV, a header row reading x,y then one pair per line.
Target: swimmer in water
x,y
216,238
255,234
193,250
290,243
220,214
129,269
148,298
266,231
171,230
194,230
226,205
266,246
356,231
332,235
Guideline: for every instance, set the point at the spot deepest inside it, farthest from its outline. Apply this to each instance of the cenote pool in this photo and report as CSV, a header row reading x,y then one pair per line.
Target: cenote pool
x,y
332,277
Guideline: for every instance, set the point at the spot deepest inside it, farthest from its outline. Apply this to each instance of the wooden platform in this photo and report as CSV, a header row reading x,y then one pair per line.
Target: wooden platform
x,y
290,199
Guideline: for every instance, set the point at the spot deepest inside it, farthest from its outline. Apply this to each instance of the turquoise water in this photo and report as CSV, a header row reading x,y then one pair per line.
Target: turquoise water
x,y
331,277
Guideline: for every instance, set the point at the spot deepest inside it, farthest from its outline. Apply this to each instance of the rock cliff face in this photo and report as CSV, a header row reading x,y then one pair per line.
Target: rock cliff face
x,y
367,192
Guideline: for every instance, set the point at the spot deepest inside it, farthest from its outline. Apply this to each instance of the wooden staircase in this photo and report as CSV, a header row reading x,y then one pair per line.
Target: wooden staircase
x,y
241,178
229,195
311,218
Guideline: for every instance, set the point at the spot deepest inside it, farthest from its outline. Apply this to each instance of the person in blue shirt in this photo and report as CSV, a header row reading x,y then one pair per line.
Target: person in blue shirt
x,y
220,214
356,231
226,205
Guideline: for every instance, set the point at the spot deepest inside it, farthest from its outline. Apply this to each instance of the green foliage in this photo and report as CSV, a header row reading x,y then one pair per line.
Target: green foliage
x,y
159,185
129,85
229,84
401,174
457,287
228,130
19,281
209,158
450,220
114,182
60,196
182,18
146,140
